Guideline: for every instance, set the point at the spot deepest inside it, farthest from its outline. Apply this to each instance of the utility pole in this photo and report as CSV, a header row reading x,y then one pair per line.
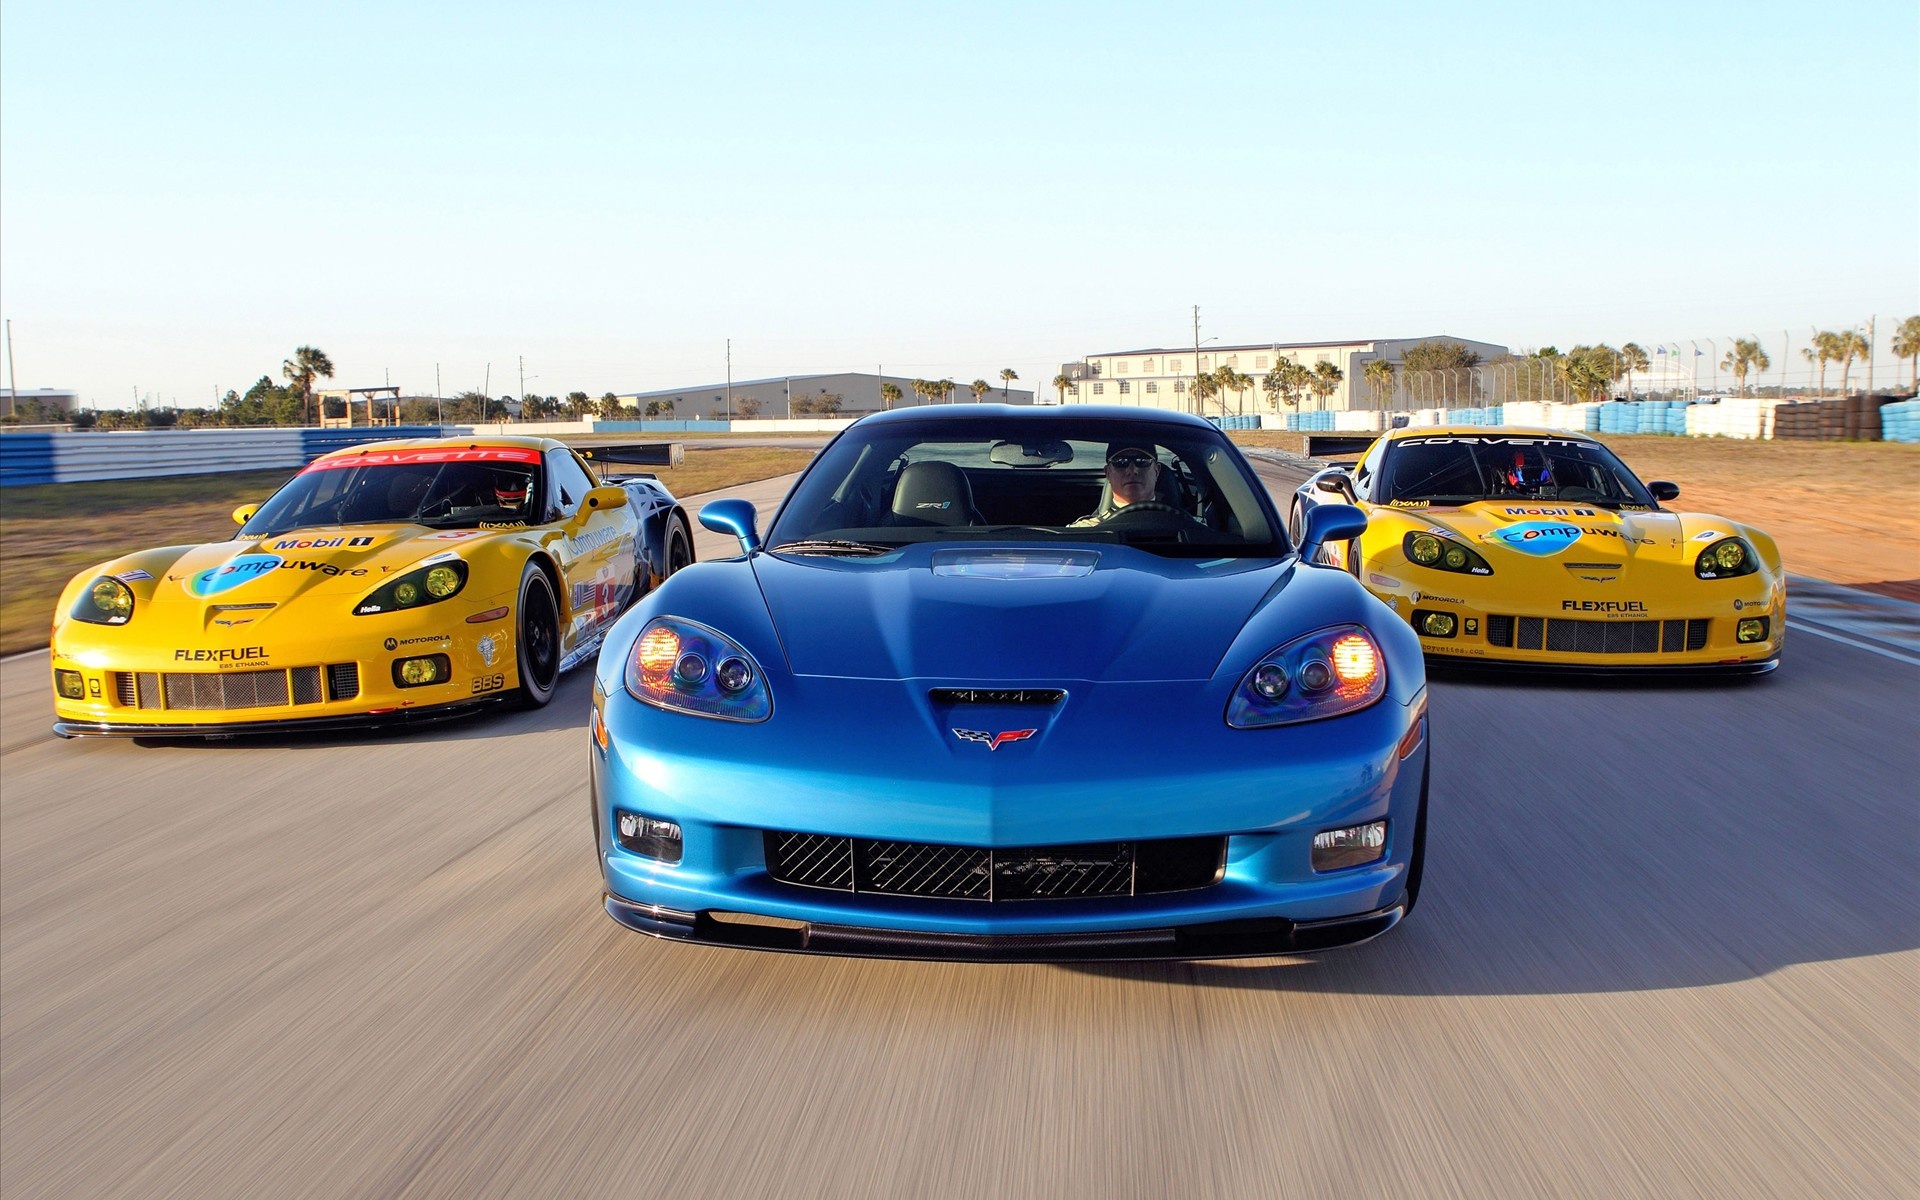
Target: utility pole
x,y
523,378
729,379
13,378
1870,323
439,417
1194,396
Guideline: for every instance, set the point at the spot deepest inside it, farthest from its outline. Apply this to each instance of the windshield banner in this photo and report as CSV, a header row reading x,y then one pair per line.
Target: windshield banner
x,y
393,458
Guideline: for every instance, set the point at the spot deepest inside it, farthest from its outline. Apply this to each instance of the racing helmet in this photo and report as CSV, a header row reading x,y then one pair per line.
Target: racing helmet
x,y
510,489
1530,468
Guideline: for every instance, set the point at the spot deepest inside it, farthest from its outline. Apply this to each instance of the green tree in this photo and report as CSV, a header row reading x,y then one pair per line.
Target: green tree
x,y
1906,344
1849,346
1745,357
1063,381
610,407
1633,358
576,405
943,388
1451,365
307,363
979,388
1326,380
1379,376
889,395
1206,385
749,406
1007,376
1825,349
1439,355
1588,372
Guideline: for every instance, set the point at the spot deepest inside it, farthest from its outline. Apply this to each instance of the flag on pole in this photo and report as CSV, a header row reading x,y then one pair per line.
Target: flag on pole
x,y
1661,350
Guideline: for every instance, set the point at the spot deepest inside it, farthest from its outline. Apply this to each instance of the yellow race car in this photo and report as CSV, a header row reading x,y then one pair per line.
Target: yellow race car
x,y
1539,547
387,582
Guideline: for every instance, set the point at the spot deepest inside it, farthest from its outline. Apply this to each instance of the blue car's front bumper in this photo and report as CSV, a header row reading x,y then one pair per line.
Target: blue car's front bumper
x,y
1097,772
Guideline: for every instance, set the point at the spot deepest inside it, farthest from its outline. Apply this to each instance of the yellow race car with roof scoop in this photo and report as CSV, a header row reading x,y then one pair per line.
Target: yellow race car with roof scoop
x,y
1539,547
389,582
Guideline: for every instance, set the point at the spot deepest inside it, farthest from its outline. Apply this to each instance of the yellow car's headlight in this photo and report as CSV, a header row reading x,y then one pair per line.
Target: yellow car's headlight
x,y
1727,558
106,601
415,589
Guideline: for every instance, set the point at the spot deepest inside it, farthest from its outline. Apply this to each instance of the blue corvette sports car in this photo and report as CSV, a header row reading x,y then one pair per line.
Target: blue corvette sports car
x,y
1014,684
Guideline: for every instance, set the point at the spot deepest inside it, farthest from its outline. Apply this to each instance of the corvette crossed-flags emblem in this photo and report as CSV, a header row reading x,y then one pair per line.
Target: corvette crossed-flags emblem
x,y
993,741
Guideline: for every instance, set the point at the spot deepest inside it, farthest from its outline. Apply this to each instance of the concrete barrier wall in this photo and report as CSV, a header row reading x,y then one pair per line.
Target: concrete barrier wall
x,y
30,458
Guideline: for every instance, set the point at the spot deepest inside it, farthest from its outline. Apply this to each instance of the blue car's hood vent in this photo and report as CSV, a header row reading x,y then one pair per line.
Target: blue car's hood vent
x,y
1118,615
996,696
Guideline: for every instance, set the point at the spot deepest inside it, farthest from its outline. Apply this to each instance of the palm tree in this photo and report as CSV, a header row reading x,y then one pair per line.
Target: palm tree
x,y
1849,347
1633,358
889,394
300,370
1826,349
979,388
1326,378
1060,385
922,389
1379,376
1206,385
943,388
1906,344
1745,357
1007,376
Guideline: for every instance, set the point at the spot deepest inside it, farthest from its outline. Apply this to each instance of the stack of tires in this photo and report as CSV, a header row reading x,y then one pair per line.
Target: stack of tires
x,y
1851,419
1900,421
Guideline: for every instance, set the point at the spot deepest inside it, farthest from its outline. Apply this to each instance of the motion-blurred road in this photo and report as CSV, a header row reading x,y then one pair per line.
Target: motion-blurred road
x,y
1668,946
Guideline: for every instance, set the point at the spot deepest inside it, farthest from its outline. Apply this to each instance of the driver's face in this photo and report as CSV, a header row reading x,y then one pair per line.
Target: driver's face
x,y
1131,477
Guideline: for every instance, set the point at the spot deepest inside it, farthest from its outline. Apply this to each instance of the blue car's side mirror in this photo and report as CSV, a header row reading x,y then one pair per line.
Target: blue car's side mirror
x,y
736,517
1325,523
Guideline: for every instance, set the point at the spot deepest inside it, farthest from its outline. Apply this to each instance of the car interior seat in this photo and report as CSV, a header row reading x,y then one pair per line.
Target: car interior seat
x,y
932,493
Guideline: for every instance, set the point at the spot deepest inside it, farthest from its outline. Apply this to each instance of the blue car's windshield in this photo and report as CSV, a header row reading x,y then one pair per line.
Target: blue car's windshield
x,y
442,488
1030,479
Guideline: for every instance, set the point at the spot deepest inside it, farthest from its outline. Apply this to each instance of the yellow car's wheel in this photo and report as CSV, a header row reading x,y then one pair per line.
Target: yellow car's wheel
x,y
539,640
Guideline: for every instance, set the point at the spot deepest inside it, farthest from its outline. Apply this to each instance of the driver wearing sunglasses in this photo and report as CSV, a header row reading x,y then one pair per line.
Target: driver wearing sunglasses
x,y
1133,471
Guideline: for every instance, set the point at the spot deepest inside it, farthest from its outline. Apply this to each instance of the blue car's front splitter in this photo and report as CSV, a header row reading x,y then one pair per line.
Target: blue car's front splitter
x,y
1254,937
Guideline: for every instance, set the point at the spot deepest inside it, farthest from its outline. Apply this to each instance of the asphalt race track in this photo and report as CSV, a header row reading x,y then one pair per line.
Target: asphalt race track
x,y
1667,947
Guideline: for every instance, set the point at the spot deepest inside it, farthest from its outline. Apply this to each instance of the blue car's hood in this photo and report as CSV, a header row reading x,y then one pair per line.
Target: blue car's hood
x,y
1006,615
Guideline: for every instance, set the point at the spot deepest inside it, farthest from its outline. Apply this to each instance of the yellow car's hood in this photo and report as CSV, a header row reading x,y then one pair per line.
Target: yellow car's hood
x,y
1569,535
345,562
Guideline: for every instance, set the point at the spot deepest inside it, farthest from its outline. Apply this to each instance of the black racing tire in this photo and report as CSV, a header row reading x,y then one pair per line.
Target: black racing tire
x,y
1417,861
678,547
537,647
1296,524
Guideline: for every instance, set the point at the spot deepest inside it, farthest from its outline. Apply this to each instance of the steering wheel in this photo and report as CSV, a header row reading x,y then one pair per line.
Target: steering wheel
x,y
1161,518
1142,506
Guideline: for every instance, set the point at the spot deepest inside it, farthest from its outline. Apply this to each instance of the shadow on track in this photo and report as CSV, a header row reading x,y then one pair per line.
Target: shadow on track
x,y
1639,837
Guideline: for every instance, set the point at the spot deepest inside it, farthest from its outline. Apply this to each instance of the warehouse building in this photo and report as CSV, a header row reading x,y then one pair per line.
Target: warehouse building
x,y
847,394
1163,377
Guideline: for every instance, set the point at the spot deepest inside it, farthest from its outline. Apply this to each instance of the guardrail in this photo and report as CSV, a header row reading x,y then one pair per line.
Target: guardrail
x,y
30,458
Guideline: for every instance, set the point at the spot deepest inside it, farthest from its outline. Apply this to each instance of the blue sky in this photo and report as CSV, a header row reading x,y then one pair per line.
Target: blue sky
x,y
611,191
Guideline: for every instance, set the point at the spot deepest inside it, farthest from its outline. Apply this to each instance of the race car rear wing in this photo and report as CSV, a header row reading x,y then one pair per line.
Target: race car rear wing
x,y
610,460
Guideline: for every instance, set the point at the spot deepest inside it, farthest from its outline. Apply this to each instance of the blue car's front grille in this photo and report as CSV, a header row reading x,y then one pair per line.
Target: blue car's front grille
x,y
873,867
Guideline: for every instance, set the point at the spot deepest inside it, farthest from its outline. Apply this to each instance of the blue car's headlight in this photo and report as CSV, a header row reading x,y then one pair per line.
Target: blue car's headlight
x,y
1335,671
684,666
1725,559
